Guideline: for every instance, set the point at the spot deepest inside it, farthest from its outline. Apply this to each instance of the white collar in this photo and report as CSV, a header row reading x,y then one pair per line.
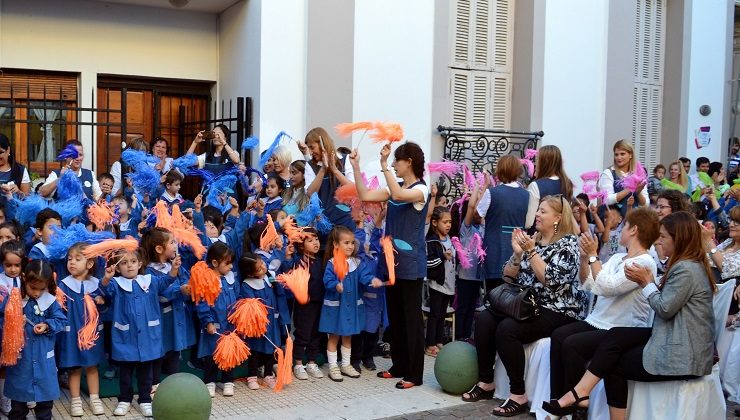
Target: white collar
x,y
230,278
9,282
258,284
90,285
164,267
221,238
513,184
144,282
44,301
169,197
352,262
124,225
273,199
42,247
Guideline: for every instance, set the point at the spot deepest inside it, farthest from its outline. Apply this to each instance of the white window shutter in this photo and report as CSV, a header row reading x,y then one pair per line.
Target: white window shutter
x,y
459,89
461,33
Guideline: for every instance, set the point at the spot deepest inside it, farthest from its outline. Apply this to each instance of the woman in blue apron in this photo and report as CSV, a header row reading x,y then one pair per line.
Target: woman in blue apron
x,y
329,170
610,179
549,179
14,177
219,155
405,223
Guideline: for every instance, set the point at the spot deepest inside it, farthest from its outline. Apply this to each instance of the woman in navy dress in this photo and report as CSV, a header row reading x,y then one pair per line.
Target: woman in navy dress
x,y
405,223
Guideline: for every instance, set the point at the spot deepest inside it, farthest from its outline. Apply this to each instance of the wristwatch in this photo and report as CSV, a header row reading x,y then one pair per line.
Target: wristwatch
x,y
713,251
592,259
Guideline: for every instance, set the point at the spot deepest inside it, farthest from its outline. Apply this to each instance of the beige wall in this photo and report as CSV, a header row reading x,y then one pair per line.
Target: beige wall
x,y
673,100
522,75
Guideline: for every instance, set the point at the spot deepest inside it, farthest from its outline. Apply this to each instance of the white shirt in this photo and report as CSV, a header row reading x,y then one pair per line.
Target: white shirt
x,y
95,186
309,175
621,302
419,205
534,201
606,183
485,201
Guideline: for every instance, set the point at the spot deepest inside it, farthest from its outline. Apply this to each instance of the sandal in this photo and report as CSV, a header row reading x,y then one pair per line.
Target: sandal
x,y
405,384
510,408
385,375
431,351
553,406
477,393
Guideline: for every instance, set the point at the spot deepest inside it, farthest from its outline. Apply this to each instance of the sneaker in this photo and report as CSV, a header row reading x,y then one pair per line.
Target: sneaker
x,y
356,365
369,364
122,409
211,389
97,407
110,372
252,383
269,381
313,370
300,372
146,409
350,371
154,390
5,405
228,389
76,407
335,374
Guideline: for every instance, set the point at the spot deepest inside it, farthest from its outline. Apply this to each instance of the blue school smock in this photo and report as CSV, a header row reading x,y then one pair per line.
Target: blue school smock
x,y
131,226
70,354
8,283
273,204
344,313
273,297
40,252
178,332
374,299
233,238
136,335
327,189
34,377
217,314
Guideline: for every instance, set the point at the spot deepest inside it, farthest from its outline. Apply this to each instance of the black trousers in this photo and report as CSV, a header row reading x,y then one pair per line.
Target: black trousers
x,y
468,292
19,410
571,347
508,336
256,359
169,364
438,303
143,381
211,372
619,359
407,330
363,346
307,337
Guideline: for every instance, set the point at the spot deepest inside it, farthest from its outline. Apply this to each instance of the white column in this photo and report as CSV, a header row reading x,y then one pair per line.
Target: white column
x,y
88,83
707,61
393,69
573,87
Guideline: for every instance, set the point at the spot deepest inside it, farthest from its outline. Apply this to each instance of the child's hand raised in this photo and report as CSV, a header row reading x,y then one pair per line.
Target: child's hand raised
x,y
211,328
40,328
340,288
110,271
376,283
198,203
99,300
185,289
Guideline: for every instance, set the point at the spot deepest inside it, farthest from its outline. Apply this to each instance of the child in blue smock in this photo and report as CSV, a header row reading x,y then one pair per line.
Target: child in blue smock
x,y
129,216
34,374
79,283
273,193
214,318
162,260
258,285
12,255
45,219
343,313
136,335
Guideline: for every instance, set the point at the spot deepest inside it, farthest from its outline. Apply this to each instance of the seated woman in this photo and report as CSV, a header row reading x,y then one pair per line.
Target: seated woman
x,y
620,302
679,346
548,262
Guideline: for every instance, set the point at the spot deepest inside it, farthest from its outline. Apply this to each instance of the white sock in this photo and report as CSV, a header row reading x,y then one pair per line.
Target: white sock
x,y
346,354
94,397
331,357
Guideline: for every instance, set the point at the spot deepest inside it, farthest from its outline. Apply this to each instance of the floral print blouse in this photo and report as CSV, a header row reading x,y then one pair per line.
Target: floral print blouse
x,y
730,260
562,292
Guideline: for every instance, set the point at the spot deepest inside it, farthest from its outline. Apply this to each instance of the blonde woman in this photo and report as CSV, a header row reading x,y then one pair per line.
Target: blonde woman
x,y
677,178
610,179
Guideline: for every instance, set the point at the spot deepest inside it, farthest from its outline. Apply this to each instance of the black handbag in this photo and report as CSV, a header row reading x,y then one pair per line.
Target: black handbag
x,y
514,301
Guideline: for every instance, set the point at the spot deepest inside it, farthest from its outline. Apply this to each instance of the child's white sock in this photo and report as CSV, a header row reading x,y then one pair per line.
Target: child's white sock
x,y
346,354
331,357
94,396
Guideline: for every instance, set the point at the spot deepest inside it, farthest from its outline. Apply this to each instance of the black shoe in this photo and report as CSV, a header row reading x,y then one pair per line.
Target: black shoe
x,y
511,408
369,364
477,393
553,407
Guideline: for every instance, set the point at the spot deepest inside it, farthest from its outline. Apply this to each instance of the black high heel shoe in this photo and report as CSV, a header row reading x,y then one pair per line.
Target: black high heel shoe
x,y
553,407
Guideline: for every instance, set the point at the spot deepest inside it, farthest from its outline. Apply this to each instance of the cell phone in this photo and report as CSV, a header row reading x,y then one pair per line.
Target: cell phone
x,y
208,135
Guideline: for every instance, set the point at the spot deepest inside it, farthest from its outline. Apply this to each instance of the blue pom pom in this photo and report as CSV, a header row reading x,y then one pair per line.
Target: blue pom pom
x,y
136,158
323,225
205,175
183,163
250,143
268,153
145,180
69,186
69,209
69,152
63,239
28,208
220,186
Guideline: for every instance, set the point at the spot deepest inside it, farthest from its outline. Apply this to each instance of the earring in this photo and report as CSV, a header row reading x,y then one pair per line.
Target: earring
x,y
556,227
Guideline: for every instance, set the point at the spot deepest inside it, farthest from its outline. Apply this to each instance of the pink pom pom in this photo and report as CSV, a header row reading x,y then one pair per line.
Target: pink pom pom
x,y
590,176
445,167
529,165
530,154
632,181
373,184
462,255
468,177
477,243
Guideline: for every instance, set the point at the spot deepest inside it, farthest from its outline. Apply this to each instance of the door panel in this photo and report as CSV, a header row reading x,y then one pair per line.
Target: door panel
x,y
139,118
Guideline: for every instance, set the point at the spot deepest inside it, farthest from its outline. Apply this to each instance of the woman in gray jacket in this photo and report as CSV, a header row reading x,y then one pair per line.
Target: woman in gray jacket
x,y
680,344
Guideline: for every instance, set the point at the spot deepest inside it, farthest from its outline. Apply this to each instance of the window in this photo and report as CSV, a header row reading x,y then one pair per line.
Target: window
x,y
480,71
6,115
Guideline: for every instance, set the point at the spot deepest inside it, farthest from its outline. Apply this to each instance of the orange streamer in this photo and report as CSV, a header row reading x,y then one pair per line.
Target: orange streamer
x,y
109,247
205,284
295,234
390,259
269,235
386,132
297,281
249,317
284,365
341,265
164,220
88,334
100,214
61,298
346,129
13,330
231,351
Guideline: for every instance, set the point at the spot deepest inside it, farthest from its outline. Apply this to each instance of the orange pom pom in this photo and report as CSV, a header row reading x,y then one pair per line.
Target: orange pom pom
x,y
347,194
346,129
341,265
297,281
61,298
13,330
109,247
390,259
386,132
100,214
284,365
294,233
164,220
231,351
88,334
205,284
249,317
269,235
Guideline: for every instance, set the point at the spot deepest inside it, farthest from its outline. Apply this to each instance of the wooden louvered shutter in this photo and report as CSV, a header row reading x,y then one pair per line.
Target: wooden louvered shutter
x,y
647,96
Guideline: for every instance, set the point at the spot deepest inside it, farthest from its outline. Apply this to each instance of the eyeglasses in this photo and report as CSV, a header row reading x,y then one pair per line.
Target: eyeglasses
x,y
662,207
734,221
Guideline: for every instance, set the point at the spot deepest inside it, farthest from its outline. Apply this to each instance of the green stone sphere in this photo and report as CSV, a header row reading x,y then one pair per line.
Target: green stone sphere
x,y
182,396
456,367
